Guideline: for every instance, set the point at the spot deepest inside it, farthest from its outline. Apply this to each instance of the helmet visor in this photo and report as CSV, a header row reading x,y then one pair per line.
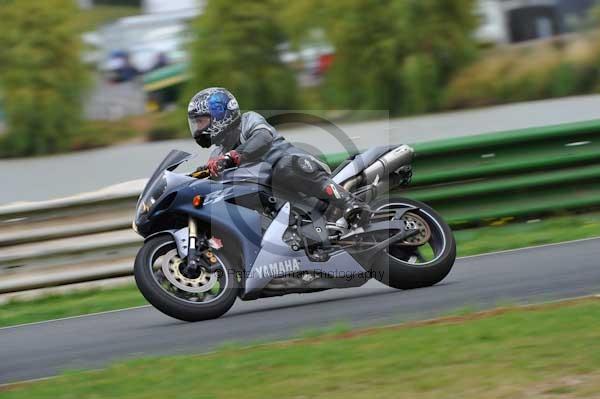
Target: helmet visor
x,y
198,124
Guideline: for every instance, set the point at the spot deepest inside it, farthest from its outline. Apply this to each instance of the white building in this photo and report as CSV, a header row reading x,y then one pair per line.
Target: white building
x,y
162,6
162,28
493,28
510,21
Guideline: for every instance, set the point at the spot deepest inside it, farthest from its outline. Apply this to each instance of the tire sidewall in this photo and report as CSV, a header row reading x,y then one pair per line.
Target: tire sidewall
x,y
170,305
399,274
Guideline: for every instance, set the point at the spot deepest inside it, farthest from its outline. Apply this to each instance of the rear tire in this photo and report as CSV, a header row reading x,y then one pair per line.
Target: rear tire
x,y
401,274
169,304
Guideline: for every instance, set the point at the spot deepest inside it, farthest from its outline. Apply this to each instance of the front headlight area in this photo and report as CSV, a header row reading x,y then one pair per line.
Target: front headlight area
x,y
143,208
150,198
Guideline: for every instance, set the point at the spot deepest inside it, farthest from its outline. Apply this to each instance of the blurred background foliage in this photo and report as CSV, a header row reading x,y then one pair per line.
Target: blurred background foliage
x,y
406,57
42,78
393,55
235,47
560,67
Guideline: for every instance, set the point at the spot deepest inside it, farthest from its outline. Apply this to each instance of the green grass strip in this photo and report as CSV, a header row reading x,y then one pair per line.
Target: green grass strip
x,y
522,353
72,304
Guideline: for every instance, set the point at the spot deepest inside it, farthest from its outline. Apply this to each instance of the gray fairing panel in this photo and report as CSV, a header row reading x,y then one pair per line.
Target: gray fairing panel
x,y
275,253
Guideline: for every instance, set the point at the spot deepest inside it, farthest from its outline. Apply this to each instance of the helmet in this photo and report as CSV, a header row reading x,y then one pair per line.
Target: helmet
x,y
213,115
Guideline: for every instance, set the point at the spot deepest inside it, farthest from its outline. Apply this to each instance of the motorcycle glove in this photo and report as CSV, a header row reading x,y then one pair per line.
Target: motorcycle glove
x,y
222,162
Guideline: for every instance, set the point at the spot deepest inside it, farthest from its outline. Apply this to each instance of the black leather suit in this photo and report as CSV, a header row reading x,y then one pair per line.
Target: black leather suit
x,y
292,168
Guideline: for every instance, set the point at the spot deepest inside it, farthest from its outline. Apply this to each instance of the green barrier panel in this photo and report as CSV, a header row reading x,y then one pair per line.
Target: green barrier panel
x,y
165,77
526,204
166,72
470,163
516,205
447,172
333,160
511,137
503,185
517,173
514,160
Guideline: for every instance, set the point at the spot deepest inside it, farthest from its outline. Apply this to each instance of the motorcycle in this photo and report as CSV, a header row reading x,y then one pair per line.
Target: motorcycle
x,y
210,241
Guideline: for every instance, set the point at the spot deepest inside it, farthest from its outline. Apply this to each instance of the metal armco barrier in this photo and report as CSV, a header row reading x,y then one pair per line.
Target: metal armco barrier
x,y
523,173
515,174
470,180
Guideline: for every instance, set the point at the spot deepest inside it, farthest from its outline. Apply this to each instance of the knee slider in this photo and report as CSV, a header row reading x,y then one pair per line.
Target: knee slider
x,y
305,165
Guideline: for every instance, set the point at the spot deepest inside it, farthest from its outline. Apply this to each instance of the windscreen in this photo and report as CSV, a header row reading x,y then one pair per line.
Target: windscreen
x,y
171,161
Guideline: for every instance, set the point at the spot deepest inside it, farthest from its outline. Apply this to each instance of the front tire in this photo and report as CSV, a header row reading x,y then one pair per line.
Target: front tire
x,y
175,301
394,267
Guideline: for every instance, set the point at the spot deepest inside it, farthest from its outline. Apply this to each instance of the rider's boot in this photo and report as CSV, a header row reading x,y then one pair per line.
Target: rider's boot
x,y
356,213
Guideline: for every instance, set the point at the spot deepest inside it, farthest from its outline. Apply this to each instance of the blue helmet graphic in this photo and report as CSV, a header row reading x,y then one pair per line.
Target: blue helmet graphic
x,y
217,105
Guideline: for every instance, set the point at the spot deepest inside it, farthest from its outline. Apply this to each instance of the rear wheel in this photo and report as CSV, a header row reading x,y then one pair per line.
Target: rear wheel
x,y
422,260
159,277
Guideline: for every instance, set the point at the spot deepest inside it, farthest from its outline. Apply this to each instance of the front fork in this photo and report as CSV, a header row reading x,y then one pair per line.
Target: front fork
x,y
193,236
195,254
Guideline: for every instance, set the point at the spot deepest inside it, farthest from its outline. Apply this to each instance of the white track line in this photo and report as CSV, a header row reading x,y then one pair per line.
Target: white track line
x,y
147,306
506,251
9,385
74,317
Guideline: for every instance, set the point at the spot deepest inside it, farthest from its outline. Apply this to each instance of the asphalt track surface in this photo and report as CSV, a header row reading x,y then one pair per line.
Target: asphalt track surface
x,y
522,276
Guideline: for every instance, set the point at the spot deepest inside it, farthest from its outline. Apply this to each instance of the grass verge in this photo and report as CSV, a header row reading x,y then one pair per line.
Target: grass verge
x,y
525,234
72,304
470,242
542,351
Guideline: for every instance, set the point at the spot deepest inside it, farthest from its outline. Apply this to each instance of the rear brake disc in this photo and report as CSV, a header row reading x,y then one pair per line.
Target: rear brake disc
x,y
413,221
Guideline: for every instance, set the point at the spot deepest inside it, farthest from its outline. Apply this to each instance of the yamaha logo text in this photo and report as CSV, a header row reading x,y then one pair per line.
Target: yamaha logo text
x,y
278,268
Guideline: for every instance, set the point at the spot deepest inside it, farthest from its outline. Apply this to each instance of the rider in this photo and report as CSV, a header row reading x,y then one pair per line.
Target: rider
x,y
214,118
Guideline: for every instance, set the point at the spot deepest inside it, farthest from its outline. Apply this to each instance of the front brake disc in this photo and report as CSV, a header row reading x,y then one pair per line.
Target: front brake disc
x,y
170,267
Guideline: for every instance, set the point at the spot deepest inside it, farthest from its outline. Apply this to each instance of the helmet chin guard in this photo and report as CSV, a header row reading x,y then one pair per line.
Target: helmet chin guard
x,y
203,140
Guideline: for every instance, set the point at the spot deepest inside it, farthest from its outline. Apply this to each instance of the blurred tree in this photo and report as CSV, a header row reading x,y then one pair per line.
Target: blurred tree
x,y
236,48
41,75
593,17
365,69
440,41
394,55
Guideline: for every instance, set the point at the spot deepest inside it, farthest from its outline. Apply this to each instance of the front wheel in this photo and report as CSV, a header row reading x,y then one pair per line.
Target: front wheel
x,y
159,277
422,260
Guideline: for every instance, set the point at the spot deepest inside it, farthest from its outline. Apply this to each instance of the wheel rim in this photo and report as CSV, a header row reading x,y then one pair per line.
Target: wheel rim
x,y
165,267
431,245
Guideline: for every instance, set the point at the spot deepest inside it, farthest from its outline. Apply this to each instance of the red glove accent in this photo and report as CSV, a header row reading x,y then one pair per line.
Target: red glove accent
x,y
217,164
234,156
329,191
214,165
